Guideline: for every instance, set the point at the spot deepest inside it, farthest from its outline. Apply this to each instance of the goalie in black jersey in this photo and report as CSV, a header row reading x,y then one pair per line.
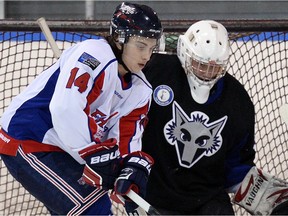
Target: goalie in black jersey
x,y
201,133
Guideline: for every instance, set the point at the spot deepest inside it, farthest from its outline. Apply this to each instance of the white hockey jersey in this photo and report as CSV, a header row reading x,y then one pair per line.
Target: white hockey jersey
x,y
79,100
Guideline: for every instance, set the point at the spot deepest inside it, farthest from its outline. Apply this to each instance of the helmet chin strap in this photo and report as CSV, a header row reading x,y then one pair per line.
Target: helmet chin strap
x,y
200,93
118,53
127,76
120,61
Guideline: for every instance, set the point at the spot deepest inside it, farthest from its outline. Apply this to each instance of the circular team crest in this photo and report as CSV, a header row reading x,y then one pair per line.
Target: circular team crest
x,y
163,95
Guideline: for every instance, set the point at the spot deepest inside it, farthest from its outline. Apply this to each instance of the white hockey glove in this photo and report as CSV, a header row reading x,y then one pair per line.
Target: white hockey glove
x,y
261,193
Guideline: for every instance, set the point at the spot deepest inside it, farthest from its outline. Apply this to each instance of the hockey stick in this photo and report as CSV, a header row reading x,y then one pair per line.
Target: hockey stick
x,y
133,196
283,111
142,203
49,37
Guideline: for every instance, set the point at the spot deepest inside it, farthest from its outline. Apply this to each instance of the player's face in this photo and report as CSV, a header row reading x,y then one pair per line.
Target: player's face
x,y
206,71
137,52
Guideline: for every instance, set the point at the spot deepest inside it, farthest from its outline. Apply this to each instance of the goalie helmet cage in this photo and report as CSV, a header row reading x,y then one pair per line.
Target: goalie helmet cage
x,y
259,54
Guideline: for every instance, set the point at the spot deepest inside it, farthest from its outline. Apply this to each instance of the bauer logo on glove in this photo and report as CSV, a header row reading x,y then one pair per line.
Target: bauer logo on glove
x,y
143,162
105,157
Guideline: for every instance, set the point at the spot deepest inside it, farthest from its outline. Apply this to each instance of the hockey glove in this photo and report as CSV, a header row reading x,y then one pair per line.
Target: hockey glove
x,y
261,193
134,175
102,164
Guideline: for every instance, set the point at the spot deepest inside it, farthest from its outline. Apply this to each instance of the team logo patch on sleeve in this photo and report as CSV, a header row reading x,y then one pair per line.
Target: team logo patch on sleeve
x,y
163,95
89,60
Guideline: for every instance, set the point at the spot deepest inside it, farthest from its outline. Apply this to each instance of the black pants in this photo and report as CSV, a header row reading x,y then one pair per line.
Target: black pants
x,y
217,206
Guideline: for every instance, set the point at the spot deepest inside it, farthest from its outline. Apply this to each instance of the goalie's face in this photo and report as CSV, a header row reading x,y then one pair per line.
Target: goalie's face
x,y
205,72
137,52
202,76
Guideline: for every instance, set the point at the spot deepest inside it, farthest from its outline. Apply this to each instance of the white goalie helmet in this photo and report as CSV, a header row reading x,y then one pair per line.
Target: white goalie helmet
x,y
204,53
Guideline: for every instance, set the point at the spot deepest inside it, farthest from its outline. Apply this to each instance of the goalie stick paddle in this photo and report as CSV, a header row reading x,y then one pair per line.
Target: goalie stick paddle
x,y
142,203
283,111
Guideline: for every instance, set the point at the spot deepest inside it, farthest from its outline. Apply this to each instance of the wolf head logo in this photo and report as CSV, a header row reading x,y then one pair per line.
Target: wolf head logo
x,y
193,137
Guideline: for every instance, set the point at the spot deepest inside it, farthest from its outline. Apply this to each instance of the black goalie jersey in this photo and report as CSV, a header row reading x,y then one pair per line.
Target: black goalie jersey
x,y
199,149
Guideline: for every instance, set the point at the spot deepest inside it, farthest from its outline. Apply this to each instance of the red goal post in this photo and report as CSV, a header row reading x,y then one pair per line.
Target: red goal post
x,y
259,55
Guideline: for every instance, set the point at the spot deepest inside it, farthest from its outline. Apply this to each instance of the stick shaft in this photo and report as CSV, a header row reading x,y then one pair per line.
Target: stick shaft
x,y
142,203
49,37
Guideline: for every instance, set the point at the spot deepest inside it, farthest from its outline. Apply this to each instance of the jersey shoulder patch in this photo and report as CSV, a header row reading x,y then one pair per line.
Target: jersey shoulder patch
x,y
89,60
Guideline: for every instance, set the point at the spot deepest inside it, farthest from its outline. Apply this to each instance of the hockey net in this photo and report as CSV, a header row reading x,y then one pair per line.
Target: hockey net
x,y
259,56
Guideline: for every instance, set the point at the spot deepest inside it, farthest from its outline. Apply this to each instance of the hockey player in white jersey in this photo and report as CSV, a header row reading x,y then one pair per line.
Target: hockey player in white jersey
x,y
70,136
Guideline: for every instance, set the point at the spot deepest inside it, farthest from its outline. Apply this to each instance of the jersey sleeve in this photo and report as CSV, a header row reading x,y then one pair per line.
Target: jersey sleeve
x,y
241,157
87,71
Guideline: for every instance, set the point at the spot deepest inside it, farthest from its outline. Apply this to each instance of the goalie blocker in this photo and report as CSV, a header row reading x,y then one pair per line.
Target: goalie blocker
x,y
262,194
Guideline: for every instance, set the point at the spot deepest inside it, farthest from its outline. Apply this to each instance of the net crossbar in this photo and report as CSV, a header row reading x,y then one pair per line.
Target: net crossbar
x,y
259,54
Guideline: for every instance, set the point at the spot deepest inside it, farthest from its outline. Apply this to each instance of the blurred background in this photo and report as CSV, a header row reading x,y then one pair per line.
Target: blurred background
x,y
102,10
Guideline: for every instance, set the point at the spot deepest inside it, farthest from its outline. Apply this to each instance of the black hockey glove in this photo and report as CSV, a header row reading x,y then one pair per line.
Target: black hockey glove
x,y
134,175
102,164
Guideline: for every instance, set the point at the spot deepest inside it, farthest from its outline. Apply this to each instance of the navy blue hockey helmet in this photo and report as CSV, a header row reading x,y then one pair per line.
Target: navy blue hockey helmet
x,y
130,19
